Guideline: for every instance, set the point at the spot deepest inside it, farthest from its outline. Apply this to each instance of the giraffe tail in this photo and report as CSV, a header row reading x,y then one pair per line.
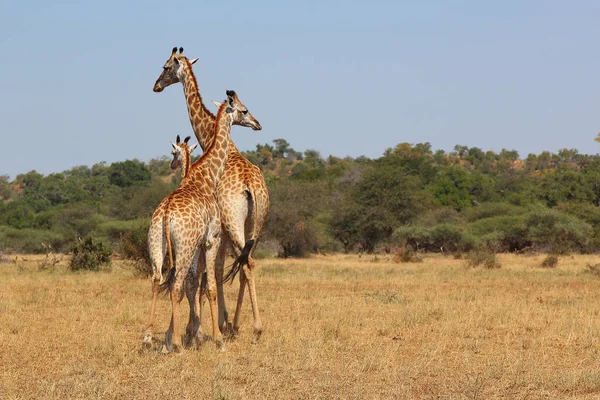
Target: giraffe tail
x,y
171,274
240,261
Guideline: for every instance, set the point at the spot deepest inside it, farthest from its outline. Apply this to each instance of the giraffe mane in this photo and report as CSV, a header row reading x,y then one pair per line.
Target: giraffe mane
x,y
199,161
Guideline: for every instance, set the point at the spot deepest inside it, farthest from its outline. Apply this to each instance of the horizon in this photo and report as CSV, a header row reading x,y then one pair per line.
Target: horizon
x,y
345,80
521,157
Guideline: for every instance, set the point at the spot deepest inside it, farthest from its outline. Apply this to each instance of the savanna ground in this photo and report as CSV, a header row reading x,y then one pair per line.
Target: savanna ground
x,y
334,327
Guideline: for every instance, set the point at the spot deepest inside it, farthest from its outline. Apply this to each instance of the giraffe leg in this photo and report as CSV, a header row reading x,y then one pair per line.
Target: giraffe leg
x,y
224,325
173,335
212,248
157,250
249,271
193,332
238,306
246,276
147,341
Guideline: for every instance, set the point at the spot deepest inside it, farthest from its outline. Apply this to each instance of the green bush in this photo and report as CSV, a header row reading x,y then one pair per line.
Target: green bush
x,y
30,240
490,210
484,257
558,233
510,232
91,255
442,237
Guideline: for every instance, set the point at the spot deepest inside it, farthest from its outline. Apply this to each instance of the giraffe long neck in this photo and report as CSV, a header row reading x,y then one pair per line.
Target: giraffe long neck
x,y
202,120
186,161
212,163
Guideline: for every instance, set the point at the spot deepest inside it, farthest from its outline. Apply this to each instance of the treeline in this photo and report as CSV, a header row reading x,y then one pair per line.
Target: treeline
x,y
411,197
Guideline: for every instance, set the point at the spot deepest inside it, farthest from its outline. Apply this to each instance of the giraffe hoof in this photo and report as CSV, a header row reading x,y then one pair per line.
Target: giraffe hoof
x,y
147,341
256,336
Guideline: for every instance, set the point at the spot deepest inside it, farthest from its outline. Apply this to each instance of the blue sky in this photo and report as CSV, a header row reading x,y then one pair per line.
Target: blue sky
x,y
342,77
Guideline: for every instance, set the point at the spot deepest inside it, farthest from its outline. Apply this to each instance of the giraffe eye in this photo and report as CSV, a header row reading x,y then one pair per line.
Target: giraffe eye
x,y
245,112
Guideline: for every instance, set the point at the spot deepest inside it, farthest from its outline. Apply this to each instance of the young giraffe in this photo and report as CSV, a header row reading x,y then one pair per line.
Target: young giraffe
x,y
181,158
242,192
191,221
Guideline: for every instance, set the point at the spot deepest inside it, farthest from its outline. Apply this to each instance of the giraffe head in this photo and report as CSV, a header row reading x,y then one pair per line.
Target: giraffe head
x,y
182,154
241,115
171,70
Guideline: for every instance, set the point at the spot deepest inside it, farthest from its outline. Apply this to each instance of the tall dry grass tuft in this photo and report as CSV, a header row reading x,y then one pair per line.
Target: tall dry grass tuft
x,y
336,326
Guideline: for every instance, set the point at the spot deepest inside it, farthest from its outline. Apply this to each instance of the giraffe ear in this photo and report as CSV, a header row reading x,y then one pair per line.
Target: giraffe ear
x,y
193,147
216,103
186,139
193,61
178,140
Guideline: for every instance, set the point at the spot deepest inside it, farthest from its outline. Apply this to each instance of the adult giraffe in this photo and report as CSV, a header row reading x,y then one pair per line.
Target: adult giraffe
x,y
242,192
188,221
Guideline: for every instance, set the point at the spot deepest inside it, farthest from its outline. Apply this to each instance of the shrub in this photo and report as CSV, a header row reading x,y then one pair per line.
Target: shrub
x,y
490,210
91,255
134,246
484,257
442,237
406,254
442,215
448,237
556,232
551,261
510,232
30,240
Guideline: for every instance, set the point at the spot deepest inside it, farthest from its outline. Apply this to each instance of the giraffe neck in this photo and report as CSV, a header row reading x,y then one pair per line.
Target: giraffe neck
x,y
202,120
212,163
186,161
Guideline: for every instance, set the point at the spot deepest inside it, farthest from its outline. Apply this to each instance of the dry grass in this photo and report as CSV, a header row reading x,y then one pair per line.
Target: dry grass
x,y
335,327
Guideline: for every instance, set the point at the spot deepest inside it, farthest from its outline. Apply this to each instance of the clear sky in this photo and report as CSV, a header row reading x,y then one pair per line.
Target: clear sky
x,y
342,77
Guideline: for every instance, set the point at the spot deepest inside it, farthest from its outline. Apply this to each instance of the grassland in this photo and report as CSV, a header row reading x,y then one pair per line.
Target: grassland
x,y
335,327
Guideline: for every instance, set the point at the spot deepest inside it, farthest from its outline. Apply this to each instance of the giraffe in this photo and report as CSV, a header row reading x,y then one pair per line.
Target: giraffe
x,y
182,155
188,220
242,193
181,158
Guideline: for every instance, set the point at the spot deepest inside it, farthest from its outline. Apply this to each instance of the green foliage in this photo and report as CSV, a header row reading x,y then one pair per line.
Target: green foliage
x,y
439,238
452,188
90,255
30,240
489,210
132,239
129,173
138,202
556,232
510,232
291,221
482,256
427,199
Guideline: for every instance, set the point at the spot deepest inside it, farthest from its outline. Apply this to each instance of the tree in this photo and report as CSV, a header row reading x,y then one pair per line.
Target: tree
x,y
294,205
129,173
